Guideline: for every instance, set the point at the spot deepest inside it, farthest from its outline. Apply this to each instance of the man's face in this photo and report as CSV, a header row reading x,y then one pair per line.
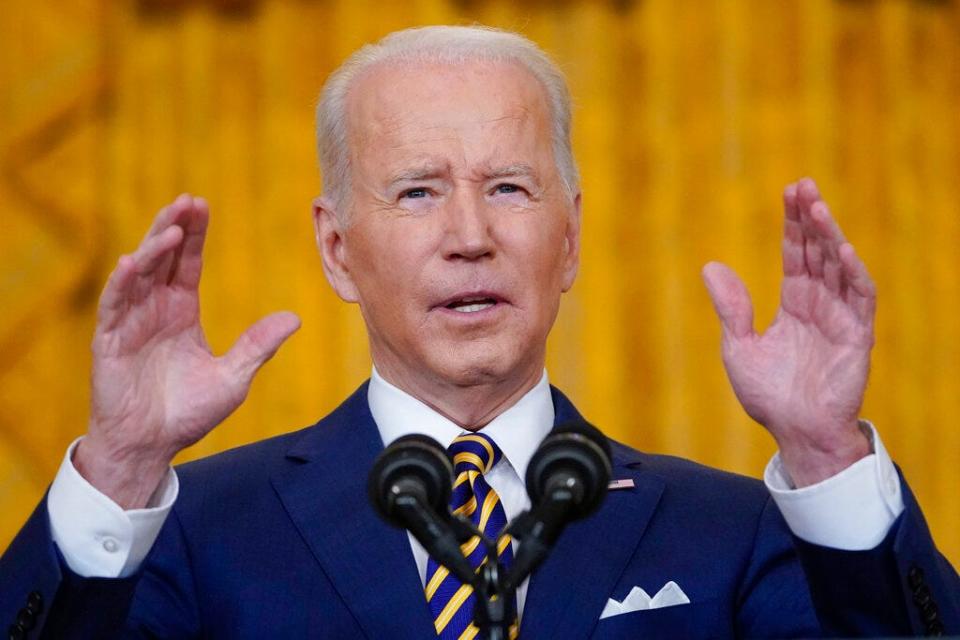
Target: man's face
x,y
460,237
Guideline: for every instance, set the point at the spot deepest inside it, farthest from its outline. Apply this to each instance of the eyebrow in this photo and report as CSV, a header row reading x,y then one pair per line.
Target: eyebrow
x,y
425,172
521,169
433,172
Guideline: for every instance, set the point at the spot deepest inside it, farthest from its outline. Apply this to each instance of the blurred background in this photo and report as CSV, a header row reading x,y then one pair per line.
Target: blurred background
x,y
690,118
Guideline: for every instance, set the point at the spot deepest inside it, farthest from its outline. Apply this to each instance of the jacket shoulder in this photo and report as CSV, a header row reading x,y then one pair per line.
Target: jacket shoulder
x,y
248,465
693,482
262,454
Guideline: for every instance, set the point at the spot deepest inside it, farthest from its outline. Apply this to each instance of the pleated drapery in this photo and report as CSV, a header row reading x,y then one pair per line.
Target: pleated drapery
x,y
690,118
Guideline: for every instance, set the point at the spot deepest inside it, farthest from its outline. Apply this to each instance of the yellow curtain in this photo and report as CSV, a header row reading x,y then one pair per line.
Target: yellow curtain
x,y
690,118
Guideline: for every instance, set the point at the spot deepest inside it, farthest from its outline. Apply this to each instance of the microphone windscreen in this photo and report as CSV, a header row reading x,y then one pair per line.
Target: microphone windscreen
x,y
574,449
415,463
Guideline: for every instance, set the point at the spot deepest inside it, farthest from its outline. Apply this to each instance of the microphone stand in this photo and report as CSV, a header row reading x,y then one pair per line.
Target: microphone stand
x,y
494,587
537,530
493,597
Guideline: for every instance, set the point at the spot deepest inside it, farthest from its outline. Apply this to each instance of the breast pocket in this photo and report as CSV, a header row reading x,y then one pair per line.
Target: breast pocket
x,y
693,620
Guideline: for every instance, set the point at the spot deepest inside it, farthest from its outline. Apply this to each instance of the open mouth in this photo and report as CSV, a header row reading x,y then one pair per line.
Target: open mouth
x,y
470,305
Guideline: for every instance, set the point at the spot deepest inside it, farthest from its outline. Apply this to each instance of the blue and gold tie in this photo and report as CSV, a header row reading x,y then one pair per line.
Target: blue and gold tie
x,y
451,601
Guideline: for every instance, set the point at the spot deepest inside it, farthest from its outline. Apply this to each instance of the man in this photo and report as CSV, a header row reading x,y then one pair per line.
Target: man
x,y
451,215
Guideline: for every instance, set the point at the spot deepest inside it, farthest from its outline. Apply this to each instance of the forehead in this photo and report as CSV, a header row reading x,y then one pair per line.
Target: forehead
x,y
478,111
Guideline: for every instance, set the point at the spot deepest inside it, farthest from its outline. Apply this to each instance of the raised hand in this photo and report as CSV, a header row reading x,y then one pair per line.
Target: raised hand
x,y
804,378
156,387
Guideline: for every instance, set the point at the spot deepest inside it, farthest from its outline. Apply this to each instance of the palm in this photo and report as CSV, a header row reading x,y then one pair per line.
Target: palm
x,y
805,376
156,365
809,367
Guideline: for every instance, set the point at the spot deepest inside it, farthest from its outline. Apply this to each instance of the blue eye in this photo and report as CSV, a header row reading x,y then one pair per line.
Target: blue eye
x,y
414,193
507,188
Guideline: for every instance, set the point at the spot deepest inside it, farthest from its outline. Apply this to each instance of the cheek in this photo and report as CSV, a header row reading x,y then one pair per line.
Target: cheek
x,y
387,268
545,249
540,265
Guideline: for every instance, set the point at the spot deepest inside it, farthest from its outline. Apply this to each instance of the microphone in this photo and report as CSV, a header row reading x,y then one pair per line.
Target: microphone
x,y
571,466
414,465
567,480
409,486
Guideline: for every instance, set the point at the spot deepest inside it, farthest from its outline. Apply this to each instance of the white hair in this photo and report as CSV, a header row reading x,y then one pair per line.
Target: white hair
x,y
445,45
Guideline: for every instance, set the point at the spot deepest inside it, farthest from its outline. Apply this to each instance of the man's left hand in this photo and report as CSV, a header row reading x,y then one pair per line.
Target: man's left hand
x,y
804,377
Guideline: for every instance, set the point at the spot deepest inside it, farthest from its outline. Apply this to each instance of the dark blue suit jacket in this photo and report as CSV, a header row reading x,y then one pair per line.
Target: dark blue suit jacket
x,y
277,540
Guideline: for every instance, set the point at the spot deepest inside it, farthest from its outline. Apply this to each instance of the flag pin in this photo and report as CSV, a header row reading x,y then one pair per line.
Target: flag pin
x,y
624,483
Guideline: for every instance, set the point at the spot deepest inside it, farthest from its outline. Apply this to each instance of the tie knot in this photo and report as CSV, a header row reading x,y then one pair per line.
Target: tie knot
x,y
474,452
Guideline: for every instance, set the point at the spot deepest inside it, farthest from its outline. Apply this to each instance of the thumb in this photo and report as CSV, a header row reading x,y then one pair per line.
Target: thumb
x,y
730,299
258,343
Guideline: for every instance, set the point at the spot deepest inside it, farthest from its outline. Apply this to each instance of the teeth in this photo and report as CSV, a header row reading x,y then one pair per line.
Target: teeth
x,y
472,308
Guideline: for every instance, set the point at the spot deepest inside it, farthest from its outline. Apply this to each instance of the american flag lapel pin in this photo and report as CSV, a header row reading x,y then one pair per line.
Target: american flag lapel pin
x,y
623,483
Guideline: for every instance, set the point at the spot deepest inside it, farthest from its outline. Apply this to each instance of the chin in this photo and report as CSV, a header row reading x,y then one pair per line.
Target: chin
x,y
481,364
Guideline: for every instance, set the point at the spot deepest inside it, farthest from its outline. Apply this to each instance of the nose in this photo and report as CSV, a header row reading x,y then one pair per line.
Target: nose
x,y
468,232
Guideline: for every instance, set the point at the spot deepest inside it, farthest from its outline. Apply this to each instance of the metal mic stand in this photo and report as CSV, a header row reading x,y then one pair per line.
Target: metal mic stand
x,y
493,610
494,587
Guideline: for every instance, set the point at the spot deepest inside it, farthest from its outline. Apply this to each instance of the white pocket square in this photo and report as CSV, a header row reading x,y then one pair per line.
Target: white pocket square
x,y
638,600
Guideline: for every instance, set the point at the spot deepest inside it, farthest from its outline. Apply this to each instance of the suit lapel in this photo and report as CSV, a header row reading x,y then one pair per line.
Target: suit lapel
x,y
369,563
569,590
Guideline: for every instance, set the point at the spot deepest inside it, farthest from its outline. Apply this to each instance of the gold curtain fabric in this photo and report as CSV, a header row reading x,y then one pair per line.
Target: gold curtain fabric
x,y
690,118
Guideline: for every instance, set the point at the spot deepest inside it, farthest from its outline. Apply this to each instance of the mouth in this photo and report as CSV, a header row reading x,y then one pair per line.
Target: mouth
x,y
468,303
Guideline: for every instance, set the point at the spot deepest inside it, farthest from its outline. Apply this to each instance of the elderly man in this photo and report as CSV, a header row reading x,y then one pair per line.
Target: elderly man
x,y
451,215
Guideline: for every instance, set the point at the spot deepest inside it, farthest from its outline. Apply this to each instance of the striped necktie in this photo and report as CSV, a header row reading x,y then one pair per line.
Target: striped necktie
x,y
452,602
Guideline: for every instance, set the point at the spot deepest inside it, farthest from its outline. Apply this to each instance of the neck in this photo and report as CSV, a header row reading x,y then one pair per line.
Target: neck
x,y
470,405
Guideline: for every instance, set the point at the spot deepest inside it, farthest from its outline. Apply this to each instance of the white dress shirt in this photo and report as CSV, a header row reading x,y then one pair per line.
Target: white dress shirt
x,y
852,510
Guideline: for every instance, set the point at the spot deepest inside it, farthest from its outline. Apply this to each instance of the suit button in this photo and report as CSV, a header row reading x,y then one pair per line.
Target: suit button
x,y
935,628
17,632
35,602
930,613
915,577
26,619
922,596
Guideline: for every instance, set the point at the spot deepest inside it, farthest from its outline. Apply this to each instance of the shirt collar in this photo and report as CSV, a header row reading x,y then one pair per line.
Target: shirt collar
x,y
518,431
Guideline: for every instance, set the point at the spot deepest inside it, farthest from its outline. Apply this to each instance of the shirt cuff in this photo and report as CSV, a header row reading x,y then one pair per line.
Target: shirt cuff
x,y
97,538
852,510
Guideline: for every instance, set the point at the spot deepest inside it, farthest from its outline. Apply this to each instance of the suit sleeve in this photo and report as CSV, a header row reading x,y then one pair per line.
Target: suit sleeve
x,y
904,586
40,597
31,575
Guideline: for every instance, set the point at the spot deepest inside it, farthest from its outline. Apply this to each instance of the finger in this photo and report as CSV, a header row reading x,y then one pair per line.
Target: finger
x,y
829,240
169,214
116,293
824,224
790,204
258,344
730,299
153,251
152,260
822,237
807,196
134,276
188,262
812,256
861,292
833,276
792,246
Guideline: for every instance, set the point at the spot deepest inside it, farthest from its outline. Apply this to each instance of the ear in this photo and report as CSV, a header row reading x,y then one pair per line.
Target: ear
x,y
330,232
572,244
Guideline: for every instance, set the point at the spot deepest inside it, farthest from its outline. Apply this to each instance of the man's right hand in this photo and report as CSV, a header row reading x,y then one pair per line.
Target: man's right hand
x,y
156,387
